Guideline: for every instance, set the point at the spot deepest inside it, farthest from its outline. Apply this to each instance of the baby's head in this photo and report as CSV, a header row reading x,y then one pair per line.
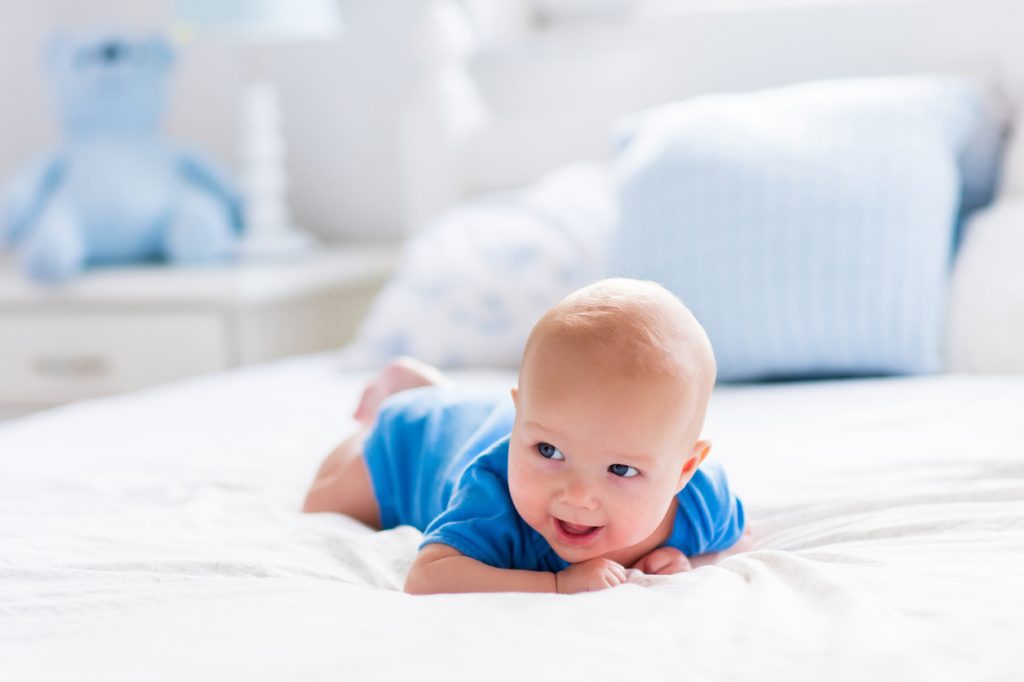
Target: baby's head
x,y
612,393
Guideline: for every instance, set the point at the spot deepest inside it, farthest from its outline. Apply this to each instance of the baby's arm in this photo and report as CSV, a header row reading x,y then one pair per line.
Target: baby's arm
x,y
443,569
669,560
663,561
744,544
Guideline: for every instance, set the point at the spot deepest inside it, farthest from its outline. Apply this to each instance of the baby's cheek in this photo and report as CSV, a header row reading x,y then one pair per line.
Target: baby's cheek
x,y
631,532
525,495
638,522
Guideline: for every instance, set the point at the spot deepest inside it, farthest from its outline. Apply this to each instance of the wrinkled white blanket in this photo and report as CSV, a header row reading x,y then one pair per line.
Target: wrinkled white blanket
x,y
157,536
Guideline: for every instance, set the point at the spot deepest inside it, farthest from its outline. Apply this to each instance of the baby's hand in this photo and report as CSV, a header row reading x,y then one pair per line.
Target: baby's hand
x,y
589,576
664,561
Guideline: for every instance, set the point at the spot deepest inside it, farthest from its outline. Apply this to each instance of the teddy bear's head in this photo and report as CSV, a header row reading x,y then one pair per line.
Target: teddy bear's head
x,y
110,82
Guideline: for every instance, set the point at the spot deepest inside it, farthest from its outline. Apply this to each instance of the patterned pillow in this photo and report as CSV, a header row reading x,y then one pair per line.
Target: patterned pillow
x,y
471,284
811,227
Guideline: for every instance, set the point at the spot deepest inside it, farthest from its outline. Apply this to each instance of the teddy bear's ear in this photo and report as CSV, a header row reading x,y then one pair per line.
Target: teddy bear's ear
x,y
57,49
158,49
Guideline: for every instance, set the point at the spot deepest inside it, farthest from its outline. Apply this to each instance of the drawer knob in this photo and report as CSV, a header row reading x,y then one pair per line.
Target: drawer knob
x,y
71,366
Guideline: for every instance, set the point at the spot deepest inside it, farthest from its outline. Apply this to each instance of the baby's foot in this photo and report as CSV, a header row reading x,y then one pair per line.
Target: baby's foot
x,y
400,374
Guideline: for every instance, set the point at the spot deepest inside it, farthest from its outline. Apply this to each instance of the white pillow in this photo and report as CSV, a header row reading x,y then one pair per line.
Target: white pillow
x,y
471,283
810,227
1012,183
986,306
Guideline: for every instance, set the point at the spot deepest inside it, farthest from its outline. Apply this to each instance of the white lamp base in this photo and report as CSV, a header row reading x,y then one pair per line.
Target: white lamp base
x,y
269,233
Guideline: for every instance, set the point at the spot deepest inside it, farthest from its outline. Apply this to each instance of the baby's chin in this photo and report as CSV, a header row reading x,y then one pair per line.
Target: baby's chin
x,y
578,556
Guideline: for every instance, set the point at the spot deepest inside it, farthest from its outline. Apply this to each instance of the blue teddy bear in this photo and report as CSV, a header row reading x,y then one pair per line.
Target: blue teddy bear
x,y
115,191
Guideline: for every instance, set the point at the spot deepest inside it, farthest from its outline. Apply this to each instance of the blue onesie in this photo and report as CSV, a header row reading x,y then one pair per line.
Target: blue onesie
x,y
438,461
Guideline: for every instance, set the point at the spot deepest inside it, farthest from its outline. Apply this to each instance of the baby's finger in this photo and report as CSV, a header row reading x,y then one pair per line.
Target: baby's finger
x,y
676,564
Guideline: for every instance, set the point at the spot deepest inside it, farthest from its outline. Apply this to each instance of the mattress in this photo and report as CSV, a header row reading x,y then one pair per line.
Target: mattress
x,y
157,535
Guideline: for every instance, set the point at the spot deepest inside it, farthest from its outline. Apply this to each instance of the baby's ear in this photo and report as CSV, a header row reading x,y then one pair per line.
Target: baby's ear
x,y
57,49
515,396
700,451
159,49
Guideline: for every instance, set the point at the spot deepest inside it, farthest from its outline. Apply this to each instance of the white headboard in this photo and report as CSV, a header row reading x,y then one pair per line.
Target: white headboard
x,y
554,97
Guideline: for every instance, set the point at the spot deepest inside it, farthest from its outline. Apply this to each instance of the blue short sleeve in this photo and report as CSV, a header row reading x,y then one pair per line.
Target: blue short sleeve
x,y
481,521
710,516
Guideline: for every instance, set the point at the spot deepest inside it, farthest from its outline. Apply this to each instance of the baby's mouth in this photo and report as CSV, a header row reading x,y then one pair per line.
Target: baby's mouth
x,y
575,534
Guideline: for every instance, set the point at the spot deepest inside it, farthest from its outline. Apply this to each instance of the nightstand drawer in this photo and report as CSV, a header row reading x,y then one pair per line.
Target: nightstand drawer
x,y
49,358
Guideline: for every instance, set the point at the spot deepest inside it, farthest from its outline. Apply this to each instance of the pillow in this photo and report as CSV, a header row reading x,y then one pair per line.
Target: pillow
x,y
810,228
1013,175
471,284
986,303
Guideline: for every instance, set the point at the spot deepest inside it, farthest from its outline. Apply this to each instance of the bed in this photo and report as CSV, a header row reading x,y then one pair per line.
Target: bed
x,y
158,535
148,536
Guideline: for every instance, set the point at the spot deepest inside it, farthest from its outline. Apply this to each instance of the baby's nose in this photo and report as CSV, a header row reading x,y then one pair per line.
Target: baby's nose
x,y
577,493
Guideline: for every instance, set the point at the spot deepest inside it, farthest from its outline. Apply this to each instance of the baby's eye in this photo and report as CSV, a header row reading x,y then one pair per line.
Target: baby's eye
x,y
624,470
550,451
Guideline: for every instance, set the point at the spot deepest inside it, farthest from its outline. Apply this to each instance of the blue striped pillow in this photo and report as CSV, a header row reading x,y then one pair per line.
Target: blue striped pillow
x,y
810,228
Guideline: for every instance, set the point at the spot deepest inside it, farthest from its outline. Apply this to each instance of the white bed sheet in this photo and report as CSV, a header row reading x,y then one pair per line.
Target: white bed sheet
x,y
157,536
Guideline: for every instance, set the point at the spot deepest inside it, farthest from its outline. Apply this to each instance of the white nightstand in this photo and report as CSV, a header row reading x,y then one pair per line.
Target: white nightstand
x,y
118,329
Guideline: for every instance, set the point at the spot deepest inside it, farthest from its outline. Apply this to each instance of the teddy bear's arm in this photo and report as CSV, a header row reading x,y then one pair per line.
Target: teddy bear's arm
x,y
207,176
27,194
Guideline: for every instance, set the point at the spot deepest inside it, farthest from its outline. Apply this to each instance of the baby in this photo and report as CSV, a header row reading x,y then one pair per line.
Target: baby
x,y
593,468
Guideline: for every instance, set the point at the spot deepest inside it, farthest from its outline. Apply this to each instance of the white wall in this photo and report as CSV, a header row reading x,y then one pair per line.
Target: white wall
x,y
556,98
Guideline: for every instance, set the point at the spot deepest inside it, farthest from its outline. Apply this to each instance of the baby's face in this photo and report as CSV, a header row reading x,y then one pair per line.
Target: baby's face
x,y
595,458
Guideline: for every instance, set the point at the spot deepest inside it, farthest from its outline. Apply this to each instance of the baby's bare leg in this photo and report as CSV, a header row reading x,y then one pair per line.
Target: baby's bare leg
x,y
342,484
398,375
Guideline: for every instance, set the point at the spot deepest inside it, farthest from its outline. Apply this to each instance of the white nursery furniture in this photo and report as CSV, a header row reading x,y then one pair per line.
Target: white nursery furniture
x,y
120,329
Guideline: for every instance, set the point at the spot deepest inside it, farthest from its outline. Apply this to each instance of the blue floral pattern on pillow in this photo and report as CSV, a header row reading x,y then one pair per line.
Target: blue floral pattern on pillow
x,y
470,285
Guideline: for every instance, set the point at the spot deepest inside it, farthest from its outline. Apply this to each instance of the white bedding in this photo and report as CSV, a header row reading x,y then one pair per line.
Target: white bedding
x,y
157,536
